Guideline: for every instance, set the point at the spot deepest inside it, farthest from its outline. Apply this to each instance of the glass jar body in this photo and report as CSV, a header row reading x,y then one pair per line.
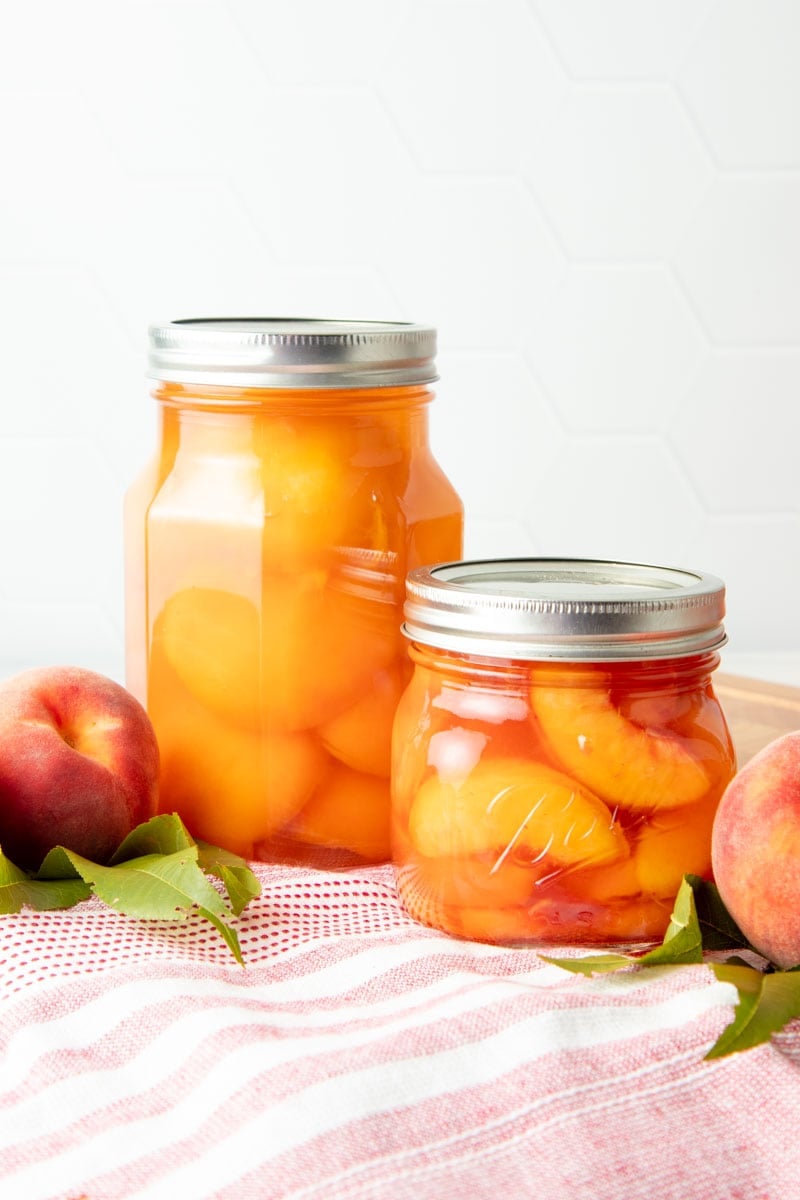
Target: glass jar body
x,y
266,548
555,802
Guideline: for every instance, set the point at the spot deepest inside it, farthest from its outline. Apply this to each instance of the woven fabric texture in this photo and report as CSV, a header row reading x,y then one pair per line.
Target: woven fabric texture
x,y
360,1055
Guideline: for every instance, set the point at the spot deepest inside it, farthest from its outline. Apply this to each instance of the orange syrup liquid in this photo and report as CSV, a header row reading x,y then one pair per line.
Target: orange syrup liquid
x,y
554,803
267,547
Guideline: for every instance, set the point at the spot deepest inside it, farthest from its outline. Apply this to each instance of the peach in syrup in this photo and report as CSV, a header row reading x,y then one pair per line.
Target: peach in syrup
x,y
626,763
301,660
349,811
252,784
361,735
306,486
514,808
295,487
561,723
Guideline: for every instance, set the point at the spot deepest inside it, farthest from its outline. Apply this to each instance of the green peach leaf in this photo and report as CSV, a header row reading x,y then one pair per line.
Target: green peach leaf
x,y
241,885
160,887
18,890
719,930
228,935
57,864
591,964
683,941
9,871
766,1003
162,834
682,944
233,872
154,887
43,895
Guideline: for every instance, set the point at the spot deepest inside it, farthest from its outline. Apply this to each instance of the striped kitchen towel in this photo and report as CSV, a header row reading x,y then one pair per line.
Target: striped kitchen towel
x,y
359,1055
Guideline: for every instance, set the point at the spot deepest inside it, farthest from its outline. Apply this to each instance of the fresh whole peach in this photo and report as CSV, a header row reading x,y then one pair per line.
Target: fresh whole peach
x,y
78,764
755,850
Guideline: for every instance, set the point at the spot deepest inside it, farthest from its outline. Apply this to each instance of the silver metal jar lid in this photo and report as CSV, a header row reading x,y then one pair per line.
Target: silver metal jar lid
x,y
570,609
276,352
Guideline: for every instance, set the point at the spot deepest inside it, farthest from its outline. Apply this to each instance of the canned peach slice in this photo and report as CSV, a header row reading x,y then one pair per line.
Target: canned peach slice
x,y
210,638
361,736
305,487
491,924
637,920
516,808
586,922
654,710
348,811
437,891
410,733
619,760
667,845
247,785
466,882
471,881
300,660
246,791
673,844
325,645
609,882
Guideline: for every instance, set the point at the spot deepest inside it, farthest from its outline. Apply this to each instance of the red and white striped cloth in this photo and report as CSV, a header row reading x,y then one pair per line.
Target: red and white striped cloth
x,y
359,1055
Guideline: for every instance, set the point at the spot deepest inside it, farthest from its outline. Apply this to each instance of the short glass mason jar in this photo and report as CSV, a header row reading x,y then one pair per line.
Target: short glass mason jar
x,y
267,545
559,752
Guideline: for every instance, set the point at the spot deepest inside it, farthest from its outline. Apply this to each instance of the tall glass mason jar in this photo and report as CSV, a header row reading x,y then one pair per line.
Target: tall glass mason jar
x,y
267,544
559,752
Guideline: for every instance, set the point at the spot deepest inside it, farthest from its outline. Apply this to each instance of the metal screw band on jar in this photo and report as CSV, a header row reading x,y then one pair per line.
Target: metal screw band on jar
x,y
275,352
569,609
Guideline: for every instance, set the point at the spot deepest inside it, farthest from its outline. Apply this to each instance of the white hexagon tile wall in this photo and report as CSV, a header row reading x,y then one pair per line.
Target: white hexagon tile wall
x,y
596,201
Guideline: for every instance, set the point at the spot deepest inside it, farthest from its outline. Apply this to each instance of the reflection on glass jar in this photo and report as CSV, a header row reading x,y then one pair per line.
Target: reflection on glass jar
x,y
267,544
559,752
